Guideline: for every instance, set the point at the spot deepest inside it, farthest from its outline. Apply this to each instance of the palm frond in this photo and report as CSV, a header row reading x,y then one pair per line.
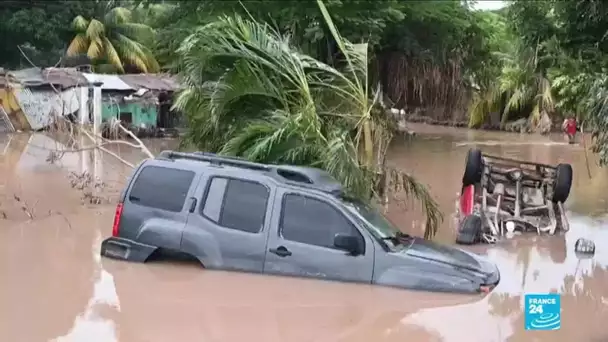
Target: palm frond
x,y
150,60
139,32
80,24
130,51
401,182
112,55
78,45
95,30
96,49
118,16
483,104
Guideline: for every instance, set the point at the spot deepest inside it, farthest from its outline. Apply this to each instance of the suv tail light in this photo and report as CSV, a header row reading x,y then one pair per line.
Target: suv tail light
x,y
485,289
117,216
467,201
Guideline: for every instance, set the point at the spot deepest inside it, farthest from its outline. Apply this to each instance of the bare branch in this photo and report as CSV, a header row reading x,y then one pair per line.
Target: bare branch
x,y
122,160
26,207
143,147
25,56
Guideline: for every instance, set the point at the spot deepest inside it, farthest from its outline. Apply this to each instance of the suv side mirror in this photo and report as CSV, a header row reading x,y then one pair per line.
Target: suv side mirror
x,y
348,243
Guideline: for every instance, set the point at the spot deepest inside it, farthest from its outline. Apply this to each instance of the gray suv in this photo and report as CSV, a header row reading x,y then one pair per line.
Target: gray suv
x,y
237,215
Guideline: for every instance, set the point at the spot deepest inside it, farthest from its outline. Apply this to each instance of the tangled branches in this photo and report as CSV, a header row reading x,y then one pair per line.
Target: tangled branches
x,y
89,185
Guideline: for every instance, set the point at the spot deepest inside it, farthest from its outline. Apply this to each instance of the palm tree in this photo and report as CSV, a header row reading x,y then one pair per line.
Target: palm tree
x,y
251,93
522,89
115,42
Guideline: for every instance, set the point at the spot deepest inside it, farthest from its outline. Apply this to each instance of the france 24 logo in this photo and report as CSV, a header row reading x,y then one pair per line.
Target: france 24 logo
x,y
542,312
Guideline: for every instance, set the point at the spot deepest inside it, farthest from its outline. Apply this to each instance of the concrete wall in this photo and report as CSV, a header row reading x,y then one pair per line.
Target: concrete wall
x,y
33,109
41,105
142,115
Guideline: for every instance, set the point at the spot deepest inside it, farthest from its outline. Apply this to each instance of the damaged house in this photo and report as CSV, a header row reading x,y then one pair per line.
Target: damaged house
x,y
30,98
141,102
157,90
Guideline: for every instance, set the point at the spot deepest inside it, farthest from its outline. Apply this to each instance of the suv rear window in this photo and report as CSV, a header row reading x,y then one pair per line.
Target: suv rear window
x,y
161,188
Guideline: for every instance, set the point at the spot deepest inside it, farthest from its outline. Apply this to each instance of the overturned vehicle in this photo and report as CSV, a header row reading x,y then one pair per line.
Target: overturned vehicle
x,y
501,197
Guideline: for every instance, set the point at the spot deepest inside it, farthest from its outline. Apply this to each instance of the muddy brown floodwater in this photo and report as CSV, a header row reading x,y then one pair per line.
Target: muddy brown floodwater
x,y
55,287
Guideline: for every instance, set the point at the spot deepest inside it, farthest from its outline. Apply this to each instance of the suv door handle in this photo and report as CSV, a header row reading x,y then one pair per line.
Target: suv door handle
x,y
192,204
280,251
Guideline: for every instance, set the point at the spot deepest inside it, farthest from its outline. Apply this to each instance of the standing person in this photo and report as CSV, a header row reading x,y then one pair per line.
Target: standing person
x,y
569,127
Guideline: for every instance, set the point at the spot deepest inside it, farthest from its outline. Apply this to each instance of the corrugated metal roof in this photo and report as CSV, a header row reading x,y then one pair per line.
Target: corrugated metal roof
x,y
151,81
30,76
110,82
65,77
61,77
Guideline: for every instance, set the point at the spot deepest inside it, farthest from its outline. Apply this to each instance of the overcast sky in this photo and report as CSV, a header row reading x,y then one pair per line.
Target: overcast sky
x,y
489,4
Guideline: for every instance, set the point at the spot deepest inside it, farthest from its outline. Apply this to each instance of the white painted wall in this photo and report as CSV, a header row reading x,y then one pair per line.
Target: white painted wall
x,y
83,110
97,110
39,106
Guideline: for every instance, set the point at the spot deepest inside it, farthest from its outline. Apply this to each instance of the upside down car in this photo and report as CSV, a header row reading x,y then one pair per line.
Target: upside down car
x,y
502,196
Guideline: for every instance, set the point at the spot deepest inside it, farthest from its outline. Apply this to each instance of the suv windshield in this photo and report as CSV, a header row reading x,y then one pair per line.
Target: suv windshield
x,y
376,223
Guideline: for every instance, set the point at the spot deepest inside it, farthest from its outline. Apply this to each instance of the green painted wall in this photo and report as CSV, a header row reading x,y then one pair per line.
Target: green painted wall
x,y
141,114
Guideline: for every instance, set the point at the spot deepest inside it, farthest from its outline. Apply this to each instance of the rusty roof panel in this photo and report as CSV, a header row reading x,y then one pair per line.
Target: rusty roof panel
x,y
60,77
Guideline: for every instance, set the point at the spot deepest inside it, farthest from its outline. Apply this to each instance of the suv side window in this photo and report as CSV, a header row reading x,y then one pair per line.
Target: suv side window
x,y
236,204
161,188
311,221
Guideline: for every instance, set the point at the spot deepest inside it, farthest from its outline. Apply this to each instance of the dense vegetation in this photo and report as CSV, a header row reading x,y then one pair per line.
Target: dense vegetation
x,y
288,82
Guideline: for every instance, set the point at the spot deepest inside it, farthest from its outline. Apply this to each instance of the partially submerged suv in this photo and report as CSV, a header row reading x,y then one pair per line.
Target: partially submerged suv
x,y
236,215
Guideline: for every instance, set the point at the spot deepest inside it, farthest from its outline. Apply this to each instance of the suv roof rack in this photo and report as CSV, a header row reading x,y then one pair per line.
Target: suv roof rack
x,y
296,175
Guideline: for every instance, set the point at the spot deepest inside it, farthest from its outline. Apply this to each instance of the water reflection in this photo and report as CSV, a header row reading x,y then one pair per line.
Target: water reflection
x,y
90,326
224,306
56,287
470,322
532,264
5,141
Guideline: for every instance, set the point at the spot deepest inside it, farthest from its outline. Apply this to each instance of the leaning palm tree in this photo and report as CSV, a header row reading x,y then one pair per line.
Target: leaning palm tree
x,y
251,93
114,42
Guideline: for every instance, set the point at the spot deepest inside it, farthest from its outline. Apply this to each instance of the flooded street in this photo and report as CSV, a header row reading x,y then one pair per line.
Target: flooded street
x,y
55,286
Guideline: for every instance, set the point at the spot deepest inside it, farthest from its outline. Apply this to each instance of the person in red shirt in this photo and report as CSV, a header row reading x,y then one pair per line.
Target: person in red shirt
x,y
569,126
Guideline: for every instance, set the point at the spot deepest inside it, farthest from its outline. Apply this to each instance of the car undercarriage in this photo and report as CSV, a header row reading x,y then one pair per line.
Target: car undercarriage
x,y
501,197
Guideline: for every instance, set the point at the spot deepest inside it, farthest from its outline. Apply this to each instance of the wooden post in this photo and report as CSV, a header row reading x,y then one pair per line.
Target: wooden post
x,y
83,114
585,147
97,157
97,108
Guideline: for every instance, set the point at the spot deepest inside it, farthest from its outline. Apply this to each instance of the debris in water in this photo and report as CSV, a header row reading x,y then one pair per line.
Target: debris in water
x,y
89,185
584,247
